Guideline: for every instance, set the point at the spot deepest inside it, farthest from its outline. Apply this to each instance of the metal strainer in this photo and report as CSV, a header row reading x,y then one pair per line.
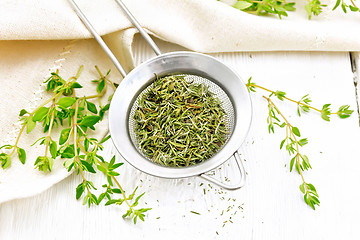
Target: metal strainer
x,y
226,105
221,80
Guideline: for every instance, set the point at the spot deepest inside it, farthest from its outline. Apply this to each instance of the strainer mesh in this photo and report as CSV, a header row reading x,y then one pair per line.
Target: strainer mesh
x,y
214,88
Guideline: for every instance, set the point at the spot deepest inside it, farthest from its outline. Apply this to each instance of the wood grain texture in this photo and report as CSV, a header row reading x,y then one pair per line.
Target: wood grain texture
x,y
270,206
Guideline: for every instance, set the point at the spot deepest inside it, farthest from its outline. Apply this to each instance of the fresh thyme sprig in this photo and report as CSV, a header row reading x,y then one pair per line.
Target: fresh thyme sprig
x,y
303,105
263,7
344,6
292,146
314,7
77,117
281,7
292,142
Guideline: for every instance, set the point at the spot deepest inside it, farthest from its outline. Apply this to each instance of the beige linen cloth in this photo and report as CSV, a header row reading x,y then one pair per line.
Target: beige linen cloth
x,y
199,25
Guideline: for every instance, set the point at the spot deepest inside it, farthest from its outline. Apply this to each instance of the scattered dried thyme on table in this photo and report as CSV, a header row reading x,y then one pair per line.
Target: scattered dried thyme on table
x,y
179,123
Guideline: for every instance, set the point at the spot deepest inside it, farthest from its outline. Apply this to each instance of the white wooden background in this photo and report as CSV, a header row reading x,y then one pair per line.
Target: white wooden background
x,y
270,206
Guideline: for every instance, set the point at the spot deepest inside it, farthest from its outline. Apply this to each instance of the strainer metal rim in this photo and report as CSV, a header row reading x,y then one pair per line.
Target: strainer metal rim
x,y
177,62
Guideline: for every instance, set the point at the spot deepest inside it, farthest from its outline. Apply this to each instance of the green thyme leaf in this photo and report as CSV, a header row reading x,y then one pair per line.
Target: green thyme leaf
x,y
137,200
292,161
42,139
302,187
344,111
105,139
53,149
111,163
40,114
100,86
296,131
304,104
353,9
22,112
80,190
111,202
337,4
303,142
92,200
250,85
91,107
310,195
88,166
76,85
66,102
5,160
325,112
64,136
30,125
7,146
343,6
68,152
305,163
314,7
89,121
280,95
21,155
282,143
241,5
111,173
116,190
263,7
101,197
44,164
116,165
102,169
103,111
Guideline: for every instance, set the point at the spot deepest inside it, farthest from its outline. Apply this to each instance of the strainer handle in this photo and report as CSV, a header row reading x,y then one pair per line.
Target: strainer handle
x,y
144,34
98,38
241,181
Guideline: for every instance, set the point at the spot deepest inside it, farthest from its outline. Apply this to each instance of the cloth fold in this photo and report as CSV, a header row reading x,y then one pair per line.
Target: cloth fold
x,y
199,25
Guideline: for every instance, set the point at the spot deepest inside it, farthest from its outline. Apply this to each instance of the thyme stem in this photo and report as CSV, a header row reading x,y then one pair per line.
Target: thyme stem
x,y
289,99
74,127
353,3
112,177
122,191
49,133
17,139
288,128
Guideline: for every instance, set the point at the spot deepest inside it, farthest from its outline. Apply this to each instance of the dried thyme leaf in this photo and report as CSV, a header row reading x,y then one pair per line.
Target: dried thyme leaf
x,y
179,123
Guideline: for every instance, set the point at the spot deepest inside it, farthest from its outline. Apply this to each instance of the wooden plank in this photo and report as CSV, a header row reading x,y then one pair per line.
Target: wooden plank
x,y
270,206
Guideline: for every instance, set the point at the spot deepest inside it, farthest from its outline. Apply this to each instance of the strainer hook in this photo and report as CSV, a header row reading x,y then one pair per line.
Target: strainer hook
x,y
241,181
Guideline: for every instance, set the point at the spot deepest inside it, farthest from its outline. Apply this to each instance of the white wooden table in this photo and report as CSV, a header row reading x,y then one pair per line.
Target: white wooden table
x,y
270,206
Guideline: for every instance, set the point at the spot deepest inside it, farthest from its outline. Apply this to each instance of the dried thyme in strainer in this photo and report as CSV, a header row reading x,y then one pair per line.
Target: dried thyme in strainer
x,y
179,123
